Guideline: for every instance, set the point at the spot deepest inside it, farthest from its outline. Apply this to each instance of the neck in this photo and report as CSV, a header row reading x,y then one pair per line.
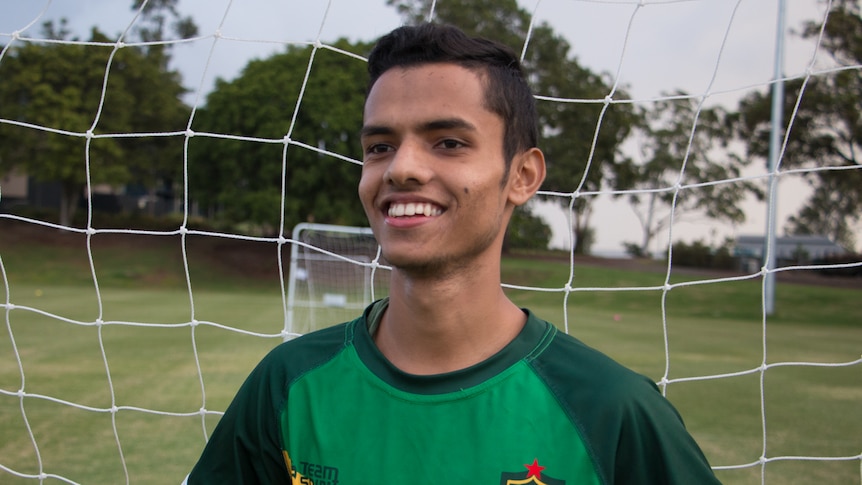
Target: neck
x,y
435,325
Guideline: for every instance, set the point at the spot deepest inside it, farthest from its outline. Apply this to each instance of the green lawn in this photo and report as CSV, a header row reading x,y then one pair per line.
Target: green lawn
x,y
711,329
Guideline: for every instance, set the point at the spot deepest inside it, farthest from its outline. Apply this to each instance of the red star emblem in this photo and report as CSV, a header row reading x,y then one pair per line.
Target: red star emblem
x,y
535,470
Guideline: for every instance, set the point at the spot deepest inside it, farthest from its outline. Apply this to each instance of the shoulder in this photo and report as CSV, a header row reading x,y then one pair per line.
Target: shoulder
x,y
302,354
634,434
571,365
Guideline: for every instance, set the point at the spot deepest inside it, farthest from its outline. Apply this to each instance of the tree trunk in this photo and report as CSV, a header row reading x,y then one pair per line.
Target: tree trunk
x,y
69,194
583,236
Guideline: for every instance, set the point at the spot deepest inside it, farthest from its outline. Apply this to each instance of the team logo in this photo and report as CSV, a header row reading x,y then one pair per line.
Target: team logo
x,y
533,476
295,477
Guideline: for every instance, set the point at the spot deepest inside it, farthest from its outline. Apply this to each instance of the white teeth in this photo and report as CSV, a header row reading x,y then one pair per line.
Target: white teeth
x,y
414,208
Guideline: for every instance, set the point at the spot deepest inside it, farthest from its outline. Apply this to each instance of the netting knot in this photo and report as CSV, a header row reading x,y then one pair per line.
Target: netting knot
x,y
190,133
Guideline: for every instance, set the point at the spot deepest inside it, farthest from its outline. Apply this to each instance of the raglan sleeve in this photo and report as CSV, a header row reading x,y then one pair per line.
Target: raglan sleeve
x,y
246,446
653,445
634,435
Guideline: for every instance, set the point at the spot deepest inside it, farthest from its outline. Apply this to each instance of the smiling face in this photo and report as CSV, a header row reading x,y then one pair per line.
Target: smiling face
x,y
434,181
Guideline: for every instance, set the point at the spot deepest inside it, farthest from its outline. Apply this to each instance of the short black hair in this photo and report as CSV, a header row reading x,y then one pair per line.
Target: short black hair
x,y
507,92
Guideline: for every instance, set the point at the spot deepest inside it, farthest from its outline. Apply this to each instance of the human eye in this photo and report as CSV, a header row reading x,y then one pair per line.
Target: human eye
x,y
378,148
451,144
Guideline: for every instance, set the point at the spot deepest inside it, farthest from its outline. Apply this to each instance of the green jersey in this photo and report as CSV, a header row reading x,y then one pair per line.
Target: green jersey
x,y
328,408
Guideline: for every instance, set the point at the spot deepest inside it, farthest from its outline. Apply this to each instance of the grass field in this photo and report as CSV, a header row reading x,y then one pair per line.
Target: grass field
x,y
711,329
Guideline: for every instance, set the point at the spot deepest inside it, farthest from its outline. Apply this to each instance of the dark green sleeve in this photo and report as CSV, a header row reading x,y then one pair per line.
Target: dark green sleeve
x,y
633,433
652,444
245,447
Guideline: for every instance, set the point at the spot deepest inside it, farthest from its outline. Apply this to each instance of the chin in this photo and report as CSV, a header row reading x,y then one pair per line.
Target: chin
x,y
411,264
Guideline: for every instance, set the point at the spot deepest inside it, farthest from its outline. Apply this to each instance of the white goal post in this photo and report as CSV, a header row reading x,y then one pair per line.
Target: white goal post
x,y
333,268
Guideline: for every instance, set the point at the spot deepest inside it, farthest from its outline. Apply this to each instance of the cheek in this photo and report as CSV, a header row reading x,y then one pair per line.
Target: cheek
x,y
366,190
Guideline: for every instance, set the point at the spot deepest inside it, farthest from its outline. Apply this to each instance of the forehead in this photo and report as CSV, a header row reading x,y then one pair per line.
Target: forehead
x,y
436,89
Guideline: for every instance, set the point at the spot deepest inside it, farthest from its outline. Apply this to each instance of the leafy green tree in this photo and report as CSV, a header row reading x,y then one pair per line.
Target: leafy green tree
x,y
568,129
52,92
526,231
679,130
157,93
239,178
826,130
157,15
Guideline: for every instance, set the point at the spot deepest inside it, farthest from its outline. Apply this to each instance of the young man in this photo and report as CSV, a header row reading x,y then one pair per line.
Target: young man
x,y
447,380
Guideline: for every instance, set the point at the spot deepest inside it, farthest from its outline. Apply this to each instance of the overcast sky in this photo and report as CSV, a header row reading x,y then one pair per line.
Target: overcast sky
x,y
650,46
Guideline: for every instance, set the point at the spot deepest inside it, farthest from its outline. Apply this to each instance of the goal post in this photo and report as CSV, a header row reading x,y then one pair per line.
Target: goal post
x,y
334,273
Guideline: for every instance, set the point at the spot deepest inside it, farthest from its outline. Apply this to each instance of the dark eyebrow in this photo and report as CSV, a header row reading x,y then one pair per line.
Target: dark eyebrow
x,y
433,125
447,124
372,130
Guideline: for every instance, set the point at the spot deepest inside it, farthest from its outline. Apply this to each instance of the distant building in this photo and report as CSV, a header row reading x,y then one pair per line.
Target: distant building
x,y
788,250
19,190
13,188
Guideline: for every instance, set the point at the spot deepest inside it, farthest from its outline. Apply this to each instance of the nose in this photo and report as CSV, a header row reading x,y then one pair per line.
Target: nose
x,y
410,165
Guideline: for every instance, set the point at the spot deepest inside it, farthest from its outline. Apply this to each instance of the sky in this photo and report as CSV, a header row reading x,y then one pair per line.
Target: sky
x,y
721,47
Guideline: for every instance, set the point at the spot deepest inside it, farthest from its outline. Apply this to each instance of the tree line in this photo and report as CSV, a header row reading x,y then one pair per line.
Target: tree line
x,y
255,138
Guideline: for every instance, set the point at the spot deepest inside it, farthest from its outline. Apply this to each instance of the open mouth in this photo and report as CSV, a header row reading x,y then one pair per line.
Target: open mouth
x,y
410,209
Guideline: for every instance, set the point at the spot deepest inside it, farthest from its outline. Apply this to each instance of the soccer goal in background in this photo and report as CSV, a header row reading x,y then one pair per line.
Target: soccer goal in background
x,y
118,359
335,272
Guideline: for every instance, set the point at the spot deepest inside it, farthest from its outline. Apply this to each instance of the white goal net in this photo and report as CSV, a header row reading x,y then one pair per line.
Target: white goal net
x,y
122,340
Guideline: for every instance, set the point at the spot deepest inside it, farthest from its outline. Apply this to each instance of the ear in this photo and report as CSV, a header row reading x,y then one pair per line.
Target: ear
x,y
526,175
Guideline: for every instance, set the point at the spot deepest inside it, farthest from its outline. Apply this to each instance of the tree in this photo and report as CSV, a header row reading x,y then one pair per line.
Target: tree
x,y
156,90
155,16
568,130
241,180
52,89
53,94
526,231
679,130
826,130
